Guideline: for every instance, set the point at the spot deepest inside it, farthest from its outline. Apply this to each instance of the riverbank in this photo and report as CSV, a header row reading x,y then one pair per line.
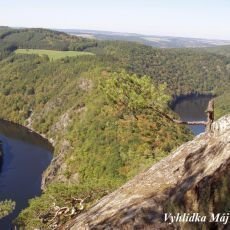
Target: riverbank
x,y
26,156
12,131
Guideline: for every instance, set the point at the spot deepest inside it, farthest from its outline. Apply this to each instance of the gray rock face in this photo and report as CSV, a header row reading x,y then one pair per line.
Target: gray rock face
x,y
194,178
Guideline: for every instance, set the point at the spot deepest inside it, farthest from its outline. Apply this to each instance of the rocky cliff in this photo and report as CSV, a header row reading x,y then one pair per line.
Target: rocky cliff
x,y
193,179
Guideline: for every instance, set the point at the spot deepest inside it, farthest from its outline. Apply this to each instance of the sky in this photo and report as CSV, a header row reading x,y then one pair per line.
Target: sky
x,y
184,18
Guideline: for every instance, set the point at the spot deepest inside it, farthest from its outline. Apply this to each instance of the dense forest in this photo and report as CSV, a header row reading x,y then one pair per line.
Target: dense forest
x,y
221,50
43,39
103,112
186,71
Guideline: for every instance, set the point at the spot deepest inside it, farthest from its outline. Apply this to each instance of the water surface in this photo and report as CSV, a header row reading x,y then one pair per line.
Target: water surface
x,y
25,156
192,108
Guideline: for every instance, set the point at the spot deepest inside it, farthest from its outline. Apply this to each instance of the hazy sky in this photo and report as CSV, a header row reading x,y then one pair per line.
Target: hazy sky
x,y
188,18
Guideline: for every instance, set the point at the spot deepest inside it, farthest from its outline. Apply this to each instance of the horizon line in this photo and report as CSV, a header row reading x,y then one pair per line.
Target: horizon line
x,y
117,32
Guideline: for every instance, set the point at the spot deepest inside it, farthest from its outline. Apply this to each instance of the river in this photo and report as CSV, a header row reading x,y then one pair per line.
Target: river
x,y
192,108
25,156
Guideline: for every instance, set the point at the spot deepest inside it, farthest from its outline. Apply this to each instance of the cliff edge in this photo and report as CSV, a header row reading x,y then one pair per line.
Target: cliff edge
x,y
193,179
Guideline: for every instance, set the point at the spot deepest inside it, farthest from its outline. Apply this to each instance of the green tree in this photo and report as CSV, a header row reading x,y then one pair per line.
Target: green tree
x,y
133,94
6,207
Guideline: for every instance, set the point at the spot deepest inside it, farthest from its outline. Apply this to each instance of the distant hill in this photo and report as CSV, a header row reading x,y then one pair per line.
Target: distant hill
x,y
151,40
37,38
221,50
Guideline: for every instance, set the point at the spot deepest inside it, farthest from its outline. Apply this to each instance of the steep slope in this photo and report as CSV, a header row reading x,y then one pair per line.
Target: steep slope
x,y
97,146
223,104
194,178
186,71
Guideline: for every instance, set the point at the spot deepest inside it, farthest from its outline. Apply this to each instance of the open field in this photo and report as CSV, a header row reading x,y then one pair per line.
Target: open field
x,y
52,54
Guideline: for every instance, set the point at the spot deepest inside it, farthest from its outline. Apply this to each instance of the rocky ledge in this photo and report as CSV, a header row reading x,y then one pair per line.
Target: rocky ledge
x,y
193,179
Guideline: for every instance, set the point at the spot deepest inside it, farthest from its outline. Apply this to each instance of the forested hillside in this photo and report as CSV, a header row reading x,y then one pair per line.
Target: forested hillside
x,y
102,114
11,39
222,50
104,142
186,71
223,101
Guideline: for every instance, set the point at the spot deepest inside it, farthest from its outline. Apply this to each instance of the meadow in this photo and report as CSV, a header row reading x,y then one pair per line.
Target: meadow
x,y
52,54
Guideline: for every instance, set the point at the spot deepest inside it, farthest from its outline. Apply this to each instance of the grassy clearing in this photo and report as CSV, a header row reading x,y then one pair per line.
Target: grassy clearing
x,y
52,54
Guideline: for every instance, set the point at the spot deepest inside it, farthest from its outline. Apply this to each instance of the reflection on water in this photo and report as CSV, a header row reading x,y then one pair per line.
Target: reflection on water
x,y
25,156
193,108
19,132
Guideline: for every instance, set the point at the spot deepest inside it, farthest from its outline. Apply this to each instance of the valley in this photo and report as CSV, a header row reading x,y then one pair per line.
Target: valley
x,y
102,112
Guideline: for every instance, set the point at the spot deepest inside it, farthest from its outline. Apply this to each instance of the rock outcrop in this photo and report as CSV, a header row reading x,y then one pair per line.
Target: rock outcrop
x,y
193,179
